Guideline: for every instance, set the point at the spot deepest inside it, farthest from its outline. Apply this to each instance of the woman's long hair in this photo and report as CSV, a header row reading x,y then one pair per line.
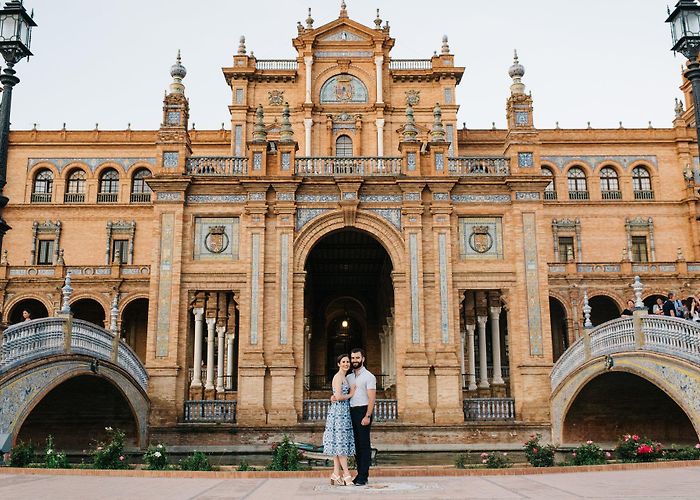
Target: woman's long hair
x,y
340,358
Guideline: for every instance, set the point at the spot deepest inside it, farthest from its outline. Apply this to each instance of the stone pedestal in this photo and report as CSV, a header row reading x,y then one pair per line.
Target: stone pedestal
x,y
448,381
282,374
250,409
415,404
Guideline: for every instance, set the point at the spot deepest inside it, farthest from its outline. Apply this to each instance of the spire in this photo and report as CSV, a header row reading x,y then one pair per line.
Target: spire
x,y
437,134
286,132
516,72
378,22
178,72
410,132
241,46
310,21
343,9
445,45
259,132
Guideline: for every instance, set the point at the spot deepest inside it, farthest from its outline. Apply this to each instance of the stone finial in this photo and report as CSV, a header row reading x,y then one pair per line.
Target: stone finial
x,y
445,46
437,134
377,21
259,132
343,9
309,21
687,173
241,46
178,72
114,314
66,291
410,132
386,28
516,72
61,261
679,108
300,28
679,255
4,257
638,289
286,131
586,311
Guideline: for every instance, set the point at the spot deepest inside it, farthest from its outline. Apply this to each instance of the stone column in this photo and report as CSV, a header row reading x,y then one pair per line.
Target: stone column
x,y
462,348
496,345
308,64
211,324
382,349
307,350
220,331
378,62
197,363
380,137
308,122
229,360
470,357
483,368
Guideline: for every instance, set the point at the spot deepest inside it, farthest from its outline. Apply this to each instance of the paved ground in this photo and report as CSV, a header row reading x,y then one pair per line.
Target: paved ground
x,y
680,483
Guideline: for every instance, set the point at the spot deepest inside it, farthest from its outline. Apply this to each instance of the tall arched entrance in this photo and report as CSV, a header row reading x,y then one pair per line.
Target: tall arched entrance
x,y
34,307
559,327
348,301
617,403
134,326
89,310
603,309
76,413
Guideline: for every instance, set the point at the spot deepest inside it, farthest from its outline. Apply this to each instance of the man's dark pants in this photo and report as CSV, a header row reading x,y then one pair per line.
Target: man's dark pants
x,y
363,447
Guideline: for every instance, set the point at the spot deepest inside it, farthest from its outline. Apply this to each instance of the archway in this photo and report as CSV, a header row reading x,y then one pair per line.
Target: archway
x,y
603,309
559,327
651,300
89,310
348,300
617,403
76,413
135,326
35,308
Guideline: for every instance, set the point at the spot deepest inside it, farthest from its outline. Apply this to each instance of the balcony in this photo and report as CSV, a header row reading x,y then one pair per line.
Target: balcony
x,y
210,411
489,409
626,267
550,195
644,195
611,195
315,410
337,166
578,195
479,165
74,198
217,165
403,64
106,197
276,64
41,198
140,198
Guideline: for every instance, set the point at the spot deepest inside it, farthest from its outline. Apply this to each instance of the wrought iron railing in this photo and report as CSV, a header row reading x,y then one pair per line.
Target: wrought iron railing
x,y
478,165
355,165
276,64
489,409
644,195
106,197
611,195
211,410
410,64
41,197
74,198
317,409
217,165
29,340
550,195
578,195
140,198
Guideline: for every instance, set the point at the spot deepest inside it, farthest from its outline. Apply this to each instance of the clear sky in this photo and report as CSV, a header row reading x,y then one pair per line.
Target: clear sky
x,y
602,61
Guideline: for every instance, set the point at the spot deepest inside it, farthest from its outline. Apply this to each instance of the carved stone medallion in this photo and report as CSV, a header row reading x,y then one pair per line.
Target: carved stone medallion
x,y
413,97
276,97
216,240
480,240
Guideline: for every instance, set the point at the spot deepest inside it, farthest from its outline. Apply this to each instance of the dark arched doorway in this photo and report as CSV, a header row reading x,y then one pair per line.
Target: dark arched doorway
x,y
35,308
135,326
651,300
559,327
76,413
348,301
617,403
89,310
603,309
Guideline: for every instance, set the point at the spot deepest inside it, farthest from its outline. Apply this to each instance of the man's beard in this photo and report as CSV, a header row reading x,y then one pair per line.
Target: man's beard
x,y
356,364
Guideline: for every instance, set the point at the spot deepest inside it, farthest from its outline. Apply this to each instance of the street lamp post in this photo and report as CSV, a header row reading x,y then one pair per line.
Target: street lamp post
x,y
15,39
685,33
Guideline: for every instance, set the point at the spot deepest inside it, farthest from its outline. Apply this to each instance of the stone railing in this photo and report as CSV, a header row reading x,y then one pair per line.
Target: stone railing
x,y
276,64
641,268
39,338
410,64
217,165
661,334
210,411
317,409
478,165
339,166
489,409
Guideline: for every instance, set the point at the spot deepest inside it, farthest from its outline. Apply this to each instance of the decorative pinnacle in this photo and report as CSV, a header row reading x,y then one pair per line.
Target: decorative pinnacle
x,y
378,22
178,72
259,132
410,132
286,132
67,291
516,72
638,289
241,46
343,9
114,313
586,311
437,134
310,21
679,108
445,45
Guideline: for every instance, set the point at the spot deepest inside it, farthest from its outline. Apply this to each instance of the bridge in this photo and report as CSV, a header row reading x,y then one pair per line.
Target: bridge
x,y
638,374
43,355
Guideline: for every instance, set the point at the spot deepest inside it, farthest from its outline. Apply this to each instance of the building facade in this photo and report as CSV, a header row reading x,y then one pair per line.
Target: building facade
x,y
345,207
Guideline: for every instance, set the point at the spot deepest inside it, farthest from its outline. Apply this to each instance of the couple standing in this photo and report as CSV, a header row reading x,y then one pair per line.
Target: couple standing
x,y
350,418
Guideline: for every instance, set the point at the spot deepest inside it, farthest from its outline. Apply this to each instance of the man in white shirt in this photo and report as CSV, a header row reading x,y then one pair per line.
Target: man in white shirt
x,y
361,409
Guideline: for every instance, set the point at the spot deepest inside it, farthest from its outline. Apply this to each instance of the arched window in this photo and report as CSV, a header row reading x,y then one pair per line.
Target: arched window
x,y
109,186
140,191
43,187
75,191
343,146
641,183
550,192
578,188
609,185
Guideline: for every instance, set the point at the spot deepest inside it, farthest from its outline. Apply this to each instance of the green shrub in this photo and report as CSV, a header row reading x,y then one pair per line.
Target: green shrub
x,y
632,448
110,454
285,456
54,459
156,458
462,461
197,461
537,454
22,454
495,460
684,453
244,466
588,454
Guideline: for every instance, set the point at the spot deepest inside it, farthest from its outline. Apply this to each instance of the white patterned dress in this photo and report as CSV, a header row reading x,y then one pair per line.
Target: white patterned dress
x,y
338,439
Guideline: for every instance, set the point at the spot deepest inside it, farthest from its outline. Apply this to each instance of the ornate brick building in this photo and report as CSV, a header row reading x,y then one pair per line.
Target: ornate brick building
x,y
344,207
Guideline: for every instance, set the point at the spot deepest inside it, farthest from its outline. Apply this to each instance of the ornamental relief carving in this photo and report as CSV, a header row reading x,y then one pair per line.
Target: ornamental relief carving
x,y
412,97
275,97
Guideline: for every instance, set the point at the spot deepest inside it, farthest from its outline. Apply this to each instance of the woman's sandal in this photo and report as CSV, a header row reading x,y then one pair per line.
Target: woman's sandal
x,y
347,480
336,481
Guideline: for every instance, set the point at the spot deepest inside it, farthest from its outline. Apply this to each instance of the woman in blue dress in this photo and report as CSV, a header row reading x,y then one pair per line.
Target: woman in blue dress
x,y
338,439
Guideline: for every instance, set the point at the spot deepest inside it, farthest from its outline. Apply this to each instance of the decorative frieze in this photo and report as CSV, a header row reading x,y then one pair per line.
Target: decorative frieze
x,y
532,283
481,198
304,215
381,198
527,196
595,161
171,159
256,196
392,215
285,196
441,196
415,312
411,196
318,198
526,160
92,163
168,196
218,198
